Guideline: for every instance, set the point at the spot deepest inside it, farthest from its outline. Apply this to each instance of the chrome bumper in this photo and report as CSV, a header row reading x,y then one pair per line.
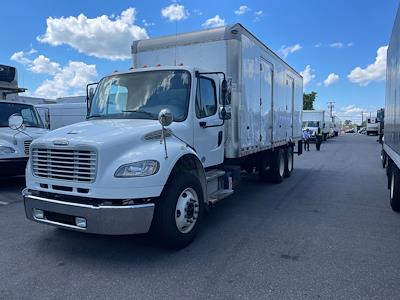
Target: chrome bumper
x,y
111,220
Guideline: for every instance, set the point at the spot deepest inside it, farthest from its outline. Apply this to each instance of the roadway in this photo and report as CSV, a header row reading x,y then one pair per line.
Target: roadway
x,y
326,232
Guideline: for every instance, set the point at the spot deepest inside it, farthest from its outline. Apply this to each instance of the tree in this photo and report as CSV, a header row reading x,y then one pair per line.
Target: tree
x,y
308,100
348,123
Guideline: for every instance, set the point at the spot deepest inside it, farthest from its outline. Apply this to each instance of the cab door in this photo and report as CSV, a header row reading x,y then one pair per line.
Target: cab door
x,y
208,127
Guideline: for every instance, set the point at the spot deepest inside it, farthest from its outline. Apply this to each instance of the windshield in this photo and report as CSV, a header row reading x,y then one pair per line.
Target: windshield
x,y
28,113
142,95
310,124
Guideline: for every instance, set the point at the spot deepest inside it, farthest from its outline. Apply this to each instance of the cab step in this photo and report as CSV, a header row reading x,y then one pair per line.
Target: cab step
x,y
219,195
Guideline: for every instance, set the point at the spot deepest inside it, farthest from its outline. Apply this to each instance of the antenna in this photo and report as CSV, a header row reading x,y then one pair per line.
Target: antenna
x,y
176,39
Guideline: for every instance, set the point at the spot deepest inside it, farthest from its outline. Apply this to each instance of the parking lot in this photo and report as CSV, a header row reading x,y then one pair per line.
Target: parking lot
x,y
326,232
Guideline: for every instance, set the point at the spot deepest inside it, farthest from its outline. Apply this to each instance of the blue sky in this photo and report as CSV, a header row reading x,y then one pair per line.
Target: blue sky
x,y
56,51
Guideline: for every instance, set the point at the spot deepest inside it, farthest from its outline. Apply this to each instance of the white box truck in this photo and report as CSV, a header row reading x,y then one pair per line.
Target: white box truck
x,y
390,154
169,138
312,119
19,125
372,126
58,115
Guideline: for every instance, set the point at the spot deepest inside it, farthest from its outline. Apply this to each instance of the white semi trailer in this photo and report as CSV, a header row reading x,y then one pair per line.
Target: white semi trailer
x,y
372,126
62,114
391,142
169,138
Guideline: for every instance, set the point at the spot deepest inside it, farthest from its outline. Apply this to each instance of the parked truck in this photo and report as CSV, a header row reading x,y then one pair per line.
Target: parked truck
x,y
19,125
372,126
169,138
58,115
312,119
391,143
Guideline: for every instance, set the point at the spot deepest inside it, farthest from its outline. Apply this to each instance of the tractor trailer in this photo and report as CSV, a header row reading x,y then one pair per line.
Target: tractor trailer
x,y
391,142
169,138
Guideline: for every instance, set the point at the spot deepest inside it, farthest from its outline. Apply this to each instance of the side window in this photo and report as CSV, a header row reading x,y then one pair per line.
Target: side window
x,y
117,98
206,100
27,116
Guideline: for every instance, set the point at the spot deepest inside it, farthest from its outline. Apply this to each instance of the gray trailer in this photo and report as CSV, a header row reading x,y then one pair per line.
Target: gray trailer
x,y
391,146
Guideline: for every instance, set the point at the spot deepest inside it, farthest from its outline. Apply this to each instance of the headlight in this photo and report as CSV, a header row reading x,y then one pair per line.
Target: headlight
x,y
138,169
6,150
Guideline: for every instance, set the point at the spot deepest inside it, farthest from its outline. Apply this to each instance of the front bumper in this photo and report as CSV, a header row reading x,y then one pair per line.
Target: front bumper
x,y
13,166
110,220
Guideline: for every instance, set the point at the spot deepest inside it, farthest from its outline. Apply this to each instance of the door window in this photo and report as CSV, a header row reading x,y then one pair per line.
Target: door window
x,y
206,100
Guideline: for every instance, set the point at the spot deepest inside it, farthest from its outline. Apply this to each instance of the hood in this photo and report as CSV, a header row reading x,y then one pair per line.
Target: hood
x,y
92,133
7,133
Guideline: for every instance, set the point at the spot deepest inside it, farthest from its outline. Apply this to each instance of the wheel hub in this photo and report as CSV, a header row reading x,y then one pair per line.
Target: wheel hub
x,y
187,210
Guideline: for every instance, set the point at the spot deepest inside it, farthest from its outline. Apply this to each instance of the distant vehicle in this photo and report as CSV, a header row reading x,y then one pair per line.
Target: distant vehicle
x,y
352,130
20,124
372,126
312,119
362,130
62,114
390,154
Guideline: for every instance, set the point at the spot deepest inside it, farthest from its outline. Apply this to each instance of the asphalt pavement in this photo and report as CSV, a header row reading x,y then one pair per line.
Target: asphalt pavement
x,y
325,232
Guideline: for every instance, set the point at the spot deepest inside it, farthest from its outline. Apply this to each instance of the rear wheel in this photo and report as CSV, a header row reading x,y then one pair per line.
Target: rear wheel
x,y
394,189
179,211
278,166
289,162
383,159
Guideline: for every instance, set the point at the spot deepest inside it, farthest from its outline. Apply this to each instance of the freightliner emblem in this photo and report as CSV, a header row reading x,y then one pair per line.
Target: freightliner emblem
x,y
61,143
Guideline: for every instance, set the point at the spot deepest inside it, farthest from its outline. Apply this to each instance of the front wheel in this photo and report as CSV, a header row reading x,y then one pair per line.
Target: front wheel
x,y
383,159
179,211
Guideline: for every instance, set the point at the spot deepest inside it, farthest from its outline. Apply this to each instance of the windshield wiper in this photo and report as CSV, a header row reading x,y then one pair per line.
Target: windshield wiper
x,y
95,116
151,115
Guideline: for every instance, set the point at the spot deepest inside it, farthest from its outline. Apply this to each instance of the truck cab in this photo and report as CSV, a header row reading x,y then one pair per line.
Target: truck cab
x,y
372,126
15,139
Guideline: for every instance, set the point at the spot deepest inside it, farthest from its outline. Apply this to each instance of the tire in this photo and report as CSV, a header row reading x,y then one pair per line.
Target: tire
x,y
288,162
278,166
171,225
383,159
395,189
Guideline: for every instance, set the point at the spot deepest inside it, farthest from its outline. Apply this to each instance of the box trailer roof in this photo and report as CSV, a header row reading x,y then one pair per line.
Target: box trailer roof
x,y
227,32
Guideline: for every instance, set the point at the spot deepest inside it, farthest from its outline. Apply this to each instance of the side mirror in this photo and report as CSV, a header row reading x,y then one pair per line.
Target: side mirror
x,y
15,121
226,91
165,117
225,113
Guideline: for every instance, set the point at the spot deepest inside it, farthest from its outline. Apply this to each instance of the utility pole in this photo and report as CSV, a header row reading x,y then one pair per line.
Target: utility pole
x,y
330,107
362,118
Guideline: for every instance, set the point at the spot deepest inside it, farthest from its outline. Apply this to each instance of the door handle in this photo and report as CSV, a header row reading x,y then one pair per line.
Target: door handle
x,y
203,124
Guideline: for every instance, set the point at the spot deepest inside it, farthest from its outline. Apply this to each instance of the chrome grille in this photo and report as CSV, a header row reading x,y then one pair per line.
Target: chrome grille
x,y
26,146
64,164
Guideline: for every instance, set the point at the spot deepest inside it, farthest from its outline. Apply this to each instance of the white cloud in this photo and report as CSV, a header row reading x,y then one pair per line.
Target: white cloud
x,y
336,45
20,57
318,45
242,10
214,22
351,44
43,65
373,72
174,12
69,80
101,37
332,78
352,110
259,13
39,65
147,24
308,75
198,12
286,50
